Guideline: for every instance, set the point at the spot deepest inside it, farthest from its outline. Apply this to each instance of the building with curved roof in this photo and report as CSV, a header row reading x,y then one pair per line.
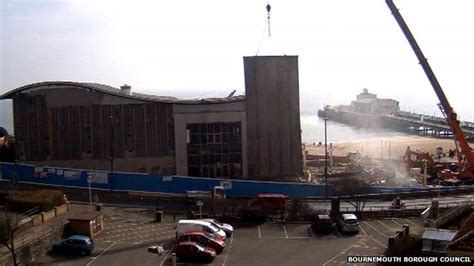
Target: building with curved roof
x,y
96,126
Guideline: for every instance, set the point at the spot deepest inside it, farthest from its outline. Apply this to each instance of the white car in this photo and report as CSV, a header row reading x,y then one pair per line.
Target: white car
x,y
184,226
227,228
348,223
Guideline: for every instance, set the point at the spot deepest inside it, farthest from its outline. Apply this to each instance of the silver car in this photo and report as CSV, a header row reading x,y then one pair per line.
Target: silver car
x,y
227,228
348,223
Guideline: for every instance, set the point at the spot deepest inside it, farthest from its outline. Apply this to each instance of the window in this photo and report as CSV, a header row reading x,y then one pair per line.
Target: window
x,y
213,149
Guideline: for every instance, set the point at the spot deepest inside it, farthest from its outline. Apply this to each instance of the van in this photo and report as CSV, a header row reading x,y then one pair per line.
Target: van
x,y
197,225
348,223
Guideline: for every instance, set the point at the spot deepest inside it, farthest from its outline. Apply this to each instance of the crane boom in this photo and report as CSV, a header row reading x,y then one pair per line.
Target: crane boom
x,y
446,108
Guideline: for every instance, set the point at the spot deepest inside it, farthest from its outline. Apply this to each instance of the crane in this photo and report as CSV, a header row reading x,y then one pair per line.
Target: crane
x,y
465,173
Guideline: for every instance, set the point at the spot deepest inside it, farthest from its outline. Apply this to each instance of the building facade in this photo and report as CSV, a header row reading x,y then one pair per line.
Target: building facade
x,y
95,126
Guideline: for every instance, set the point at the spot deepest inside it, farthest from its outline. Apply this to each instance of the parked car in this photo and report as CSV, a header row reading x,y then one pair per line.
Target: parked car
x,y
323,224
74,244
197,225
227,228
204,238
348,223
192,250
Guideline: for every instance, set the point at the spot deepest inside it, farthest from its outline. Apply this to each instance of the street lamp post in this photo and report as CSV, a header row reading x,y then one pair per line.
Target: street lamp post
x,y
111,144
326,155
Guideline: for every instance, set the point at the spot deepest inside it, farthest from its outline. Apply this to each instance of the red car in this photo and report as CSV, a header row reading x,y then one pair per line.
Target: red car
x,y
193,250
204,238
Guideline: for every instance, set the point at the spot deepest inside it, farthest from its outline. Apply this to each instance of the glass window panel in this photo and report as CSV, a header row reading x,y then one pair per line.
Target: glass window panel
x,y
225,138
194,171
235,158
218,158
212,171
237,170
219,170
235,147
225,158
194,150
205,159
203,128
226,170
194,160
203,139
218,148
210,128
194,139
205,171
235,138
194,128
210,138
225,148
225,127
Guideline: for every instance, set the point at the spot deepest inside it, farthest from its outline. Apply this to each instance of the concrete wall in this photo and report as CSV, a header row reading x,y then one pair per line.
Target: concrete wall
x,y
273,118
48,215
200,114
74,127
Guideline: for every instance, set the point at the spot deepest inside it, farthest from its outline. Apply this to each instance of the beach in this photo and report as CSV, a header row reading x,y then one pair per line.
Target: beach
x,y
387,147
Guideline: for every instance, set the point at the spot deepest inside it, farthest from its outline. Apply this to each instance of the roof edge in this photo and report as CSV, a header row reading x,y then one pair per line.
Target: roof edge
x,y
90,86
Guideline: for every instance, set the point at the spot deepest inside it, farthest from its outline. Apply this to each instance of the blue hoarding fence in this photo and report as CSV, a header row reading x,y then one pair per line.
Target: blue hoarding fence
x,y
173,185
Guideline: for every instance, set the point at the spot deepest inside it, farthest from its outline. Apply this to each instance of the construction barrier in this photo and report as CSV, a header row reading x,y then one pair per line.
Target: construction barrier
x,y
172,185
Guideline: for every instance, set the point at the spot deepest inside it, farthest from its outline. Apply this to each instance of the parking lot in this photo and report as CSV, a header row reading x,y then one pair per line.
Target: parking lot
x,y
129,232
297,244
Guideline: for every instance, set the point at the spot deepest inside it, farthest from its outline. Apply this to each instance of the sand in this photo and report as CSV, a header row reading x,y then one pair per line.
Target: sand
x,y
389,147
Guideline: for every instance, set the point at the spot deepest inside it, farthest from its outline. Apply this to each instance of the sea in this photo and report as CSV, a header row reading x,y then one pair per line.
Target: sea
x,y
312,128
6,115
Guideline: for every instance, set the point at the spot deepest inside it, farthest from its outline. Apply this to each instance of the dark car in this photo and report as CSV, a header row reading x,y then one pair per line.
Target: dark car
x,y
191,250
323,224
204,238
74,244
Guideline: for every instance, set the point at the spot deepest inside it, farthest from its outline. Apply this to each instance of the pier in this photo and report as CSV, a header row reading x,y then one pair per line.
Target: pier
x,y
424,125
418,124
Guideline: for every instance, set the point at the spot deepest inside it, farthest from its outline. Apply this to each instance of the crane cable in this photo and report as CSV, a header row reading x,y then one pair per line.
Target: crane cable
x,y
268,7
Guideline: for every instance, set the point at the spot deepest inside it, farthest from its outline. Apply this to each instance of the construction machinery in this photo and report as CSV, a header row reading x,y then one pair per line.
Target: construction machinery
x,y
420,156
465,157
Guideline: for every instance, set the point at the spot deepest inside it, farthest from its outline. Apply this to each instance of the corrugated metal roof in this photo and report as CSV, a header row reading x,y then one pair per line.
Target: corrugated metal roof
x,y
117,92
439,234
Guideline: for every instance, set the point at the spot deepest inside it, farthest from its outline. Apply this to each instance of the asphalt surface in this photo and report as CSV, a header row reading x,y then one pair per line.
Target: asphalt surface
x,y
129,232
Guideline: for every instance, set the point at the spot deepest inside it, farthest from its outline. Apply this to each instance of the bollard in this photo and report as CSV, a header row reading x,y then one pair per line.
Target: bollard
x,y
98,207
158,216
173,259
391,241
406,229
335,207
435,209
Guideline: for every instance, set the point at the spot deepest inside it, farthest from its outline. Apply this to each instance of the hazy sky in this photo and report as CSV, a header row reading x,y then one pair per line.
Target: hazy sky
x,y
195,48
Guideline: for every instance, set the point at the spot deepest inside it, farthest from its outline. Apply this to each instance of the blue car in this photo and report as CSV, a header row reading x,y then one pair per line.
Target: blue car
x,y
74,244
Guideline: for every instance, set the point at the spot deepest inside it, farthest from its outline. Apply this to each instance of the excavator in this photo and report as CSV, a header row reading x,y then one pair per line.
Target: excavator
x,y
465,157
425,161
419,154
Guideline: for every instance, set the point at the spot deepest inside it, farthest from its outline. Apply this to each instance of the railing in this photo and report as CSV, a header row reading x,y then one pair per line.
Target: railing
x,y
26,217
452,213
34,233
415,207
